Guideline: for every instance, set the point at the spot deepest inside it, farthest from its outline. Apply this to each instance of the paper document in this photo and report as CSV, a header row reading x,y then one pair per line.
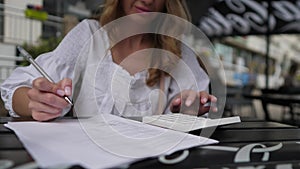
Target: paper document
x,y
186,123
100,142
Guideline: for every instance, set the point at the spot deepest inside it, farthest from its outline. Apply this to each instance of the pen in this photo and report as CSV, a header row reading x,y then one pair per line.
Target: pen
x,y
28,57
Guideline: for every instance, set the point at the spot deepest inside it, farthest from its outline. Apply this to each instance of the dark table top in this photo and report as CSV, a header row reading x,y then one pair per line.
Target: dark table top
x,y
269,144
231,155
281,99
276,98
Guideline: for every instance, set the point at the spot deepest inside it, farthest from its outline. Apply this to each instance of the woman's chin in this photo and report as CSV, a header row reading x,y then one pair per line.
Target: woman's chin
x,y
143,18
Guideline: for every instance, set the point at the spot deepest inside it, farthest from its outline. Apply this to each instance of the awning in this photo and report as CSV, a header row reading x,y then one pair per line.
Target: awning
x,y
250,17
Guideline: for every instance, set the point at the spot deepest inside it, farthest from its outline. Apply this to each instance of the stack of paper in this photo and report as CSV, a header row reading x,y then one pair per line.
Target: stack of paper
x,y
186,123
100,142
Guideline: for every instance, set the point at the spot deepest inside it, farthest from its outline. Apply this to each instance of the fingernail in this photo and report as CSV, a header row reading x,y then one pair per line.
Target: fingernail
x,y
60,92
215,109
188,103
177,100
204,100
68,90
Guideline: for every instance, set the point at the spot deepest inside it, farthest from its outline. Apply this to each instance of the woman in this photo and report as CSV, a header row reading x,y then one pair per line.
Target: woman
x,y
27,94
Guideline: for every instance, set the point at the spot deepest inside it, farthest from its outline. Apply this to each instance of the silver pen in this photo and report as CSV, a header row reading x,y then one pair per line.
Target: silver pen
x,y
28,57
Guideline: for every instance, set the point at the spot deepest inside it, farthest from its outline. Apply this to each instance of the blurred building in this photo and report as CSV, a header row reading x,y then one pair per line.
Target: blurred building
x,y
17,28
241,29
249,52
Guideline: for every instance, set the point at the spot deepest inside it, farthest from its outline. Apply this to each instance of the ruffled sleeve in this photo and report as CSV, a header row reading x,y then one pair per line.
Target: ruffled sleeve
x,y
58,64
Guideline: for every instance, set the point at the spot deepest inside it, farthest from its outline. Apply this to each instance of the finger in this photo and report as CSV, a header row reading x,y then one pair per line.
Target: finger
x,y
204,97
213,99
66,86
176,101
203,110
40,107
62,88
41,116
190,98
47,98
43,84
175,105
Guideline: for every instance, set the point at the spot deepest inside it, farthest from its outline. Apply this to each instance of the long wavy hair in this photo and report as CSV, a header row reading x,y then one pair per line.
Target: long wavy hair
x,y
112,10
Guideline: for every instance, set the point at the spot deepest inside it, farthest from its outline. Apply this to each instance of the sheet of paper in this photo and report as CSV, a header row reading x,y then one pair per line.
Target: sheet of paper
x,y
100,142
186,123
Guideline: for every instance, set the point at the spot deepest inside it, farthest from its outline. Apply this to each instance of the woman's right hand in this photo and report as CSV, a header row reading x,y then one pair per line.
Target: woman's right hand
x,y
46,99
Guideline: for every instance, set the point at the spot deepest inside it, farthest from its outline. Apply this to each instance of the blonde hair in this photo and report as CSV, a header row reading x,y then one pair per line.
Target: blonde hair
x,y
112,10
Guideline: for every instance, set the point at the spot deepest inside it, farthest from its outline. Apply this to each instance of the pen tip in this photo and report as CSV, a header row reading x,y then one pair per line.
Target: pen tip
x,y
69,100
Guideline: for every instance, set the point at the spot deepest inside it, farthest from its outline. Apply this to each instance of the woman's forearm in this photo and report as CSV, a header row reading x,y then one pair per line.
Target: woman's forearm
x,y
20,102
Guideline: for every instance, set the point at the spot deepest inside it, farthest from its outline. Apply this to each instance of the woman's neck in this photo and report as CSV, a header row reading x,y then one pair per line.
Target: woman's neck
x,y
130,45
126,53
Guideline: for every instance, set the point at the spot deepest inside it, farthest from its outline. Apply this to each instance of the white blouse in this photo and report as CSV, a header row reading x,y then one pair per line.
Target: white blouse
x,y
100,85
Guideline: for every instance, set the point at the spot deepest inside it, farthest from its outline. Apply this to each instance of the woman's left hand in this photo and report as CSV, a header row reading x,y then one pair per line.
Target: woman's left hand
x,y
193,102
